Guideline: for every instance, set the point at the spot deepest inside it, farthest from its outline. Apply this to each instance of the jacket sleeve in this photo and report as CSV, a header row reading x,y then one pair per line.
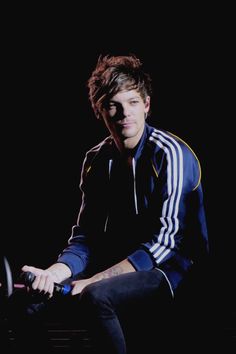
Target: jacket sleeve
x,y
179,219
76,254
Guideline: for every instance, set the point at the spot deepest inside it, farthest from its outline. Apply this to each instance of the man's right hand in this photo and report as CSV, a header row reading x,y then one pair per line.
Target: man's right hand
x,y
44,279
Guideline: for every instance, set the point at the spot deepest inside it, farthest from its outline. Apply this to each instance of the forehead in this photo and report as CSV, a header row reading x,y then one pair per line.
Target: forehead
x,y
125,95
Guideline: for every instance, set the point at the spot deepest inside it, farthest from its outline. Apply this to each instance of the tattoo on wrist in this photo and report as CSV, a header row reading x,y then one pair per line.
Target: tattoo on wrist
x,y
109,273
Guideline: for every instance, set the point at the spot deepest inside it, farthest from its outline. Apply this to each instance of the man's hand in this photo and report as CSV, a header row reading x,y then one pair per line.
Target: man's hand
x,y
79,285
44,280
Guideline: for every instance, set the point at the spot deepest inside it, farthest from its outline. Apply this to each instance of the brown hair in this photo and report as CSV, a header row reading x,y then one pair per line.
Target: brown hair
x,y
113,74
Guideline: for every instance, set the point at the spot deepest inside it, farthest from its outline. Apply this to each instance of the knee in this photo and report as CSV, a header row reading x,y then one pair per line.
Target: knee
x,y
94,295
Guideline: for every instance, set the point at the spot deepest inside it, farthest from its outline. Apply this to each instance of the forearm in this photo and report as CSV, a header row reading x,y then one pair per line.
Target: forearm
x,y
120,268
59,271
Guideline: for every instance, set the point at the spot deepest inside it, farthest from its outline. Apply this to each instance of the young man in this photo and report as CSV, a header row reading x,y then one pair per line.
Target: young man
x,y
141,225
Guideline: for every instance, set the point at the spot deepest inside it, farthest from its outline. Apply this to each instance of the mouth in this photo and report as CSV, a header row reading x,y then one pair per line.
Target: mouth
x,y
126,124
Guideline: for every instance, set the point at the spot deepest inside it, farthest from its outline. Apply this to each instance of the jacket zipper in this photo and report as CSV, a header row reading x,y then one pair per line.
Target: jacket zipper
x,y
109,171
135,192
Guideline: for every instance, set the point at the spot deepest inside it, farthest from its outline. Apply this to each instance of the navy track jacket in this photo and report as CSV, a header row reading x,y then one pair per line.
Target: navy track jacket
x,y
150,211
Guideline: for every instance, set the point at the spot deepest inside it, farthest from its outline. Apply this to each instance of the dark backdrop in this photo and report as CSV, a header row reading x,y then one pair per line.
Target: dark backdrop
x,y
48,124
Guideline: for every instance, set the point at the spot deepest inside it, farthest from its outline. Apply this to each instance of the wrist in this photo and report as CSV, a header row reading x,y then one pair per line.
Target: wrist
x,y
96,277
59,272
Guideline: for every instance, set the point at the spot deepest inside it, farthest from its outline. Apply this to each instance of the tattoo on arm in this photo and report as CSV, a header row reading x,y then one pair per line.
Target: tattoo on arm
x,y
109,273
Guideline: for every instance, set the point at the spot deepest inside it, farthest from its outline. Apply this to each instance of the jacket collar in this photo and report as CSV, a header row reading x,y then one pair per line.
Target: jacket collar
x,y
138,149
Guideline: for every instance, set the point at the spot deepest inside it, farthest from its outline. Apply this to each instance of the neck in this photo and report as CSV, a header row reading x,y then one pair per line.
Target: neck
x,y
127,145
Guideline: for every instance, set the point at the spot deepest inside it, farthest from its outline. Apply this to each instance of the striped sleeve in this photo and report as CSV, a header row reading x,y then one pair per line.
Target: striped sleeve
x,y
163,243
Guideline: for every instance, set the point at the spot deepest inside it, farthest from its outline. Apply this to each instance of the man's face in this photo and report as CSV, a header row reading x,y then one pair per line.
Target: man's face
x,y
125,114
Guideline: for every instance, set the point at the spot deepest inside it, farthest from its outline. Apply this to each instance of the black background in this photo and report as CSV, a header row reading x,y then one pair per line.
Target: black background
x,y
48,124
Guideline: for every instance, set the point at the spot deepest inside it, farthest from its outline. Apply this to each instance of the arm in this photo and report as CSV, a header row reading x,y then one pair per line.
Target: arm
x,y
77,253
177,214
120,268
75,257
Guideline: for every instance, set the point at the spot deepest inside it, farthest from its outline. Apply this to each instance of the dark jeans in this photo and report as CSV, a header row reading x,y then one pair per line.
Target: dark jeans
x,y
124,313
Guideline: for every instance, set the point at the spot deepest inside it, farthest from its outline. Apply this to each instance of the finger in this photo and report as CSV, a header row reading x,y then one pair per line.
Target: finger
x,y
27,268
48,286
41,282
34,270
35,284
73,291
76,290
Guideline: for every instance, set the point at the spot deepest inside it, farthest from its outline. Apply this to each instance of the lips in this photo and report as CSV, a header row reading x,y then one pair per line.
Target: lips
x,y
126,124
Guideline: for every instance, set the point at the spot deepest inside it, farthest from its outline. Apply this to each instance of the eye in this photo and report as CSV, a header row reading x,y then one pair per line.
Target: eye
x,y
134,102
111,106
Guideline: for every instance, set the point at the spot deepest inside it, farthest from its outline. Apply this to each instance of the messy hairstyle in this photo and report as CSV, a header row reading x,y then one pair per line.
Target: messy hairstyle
x,y
113,74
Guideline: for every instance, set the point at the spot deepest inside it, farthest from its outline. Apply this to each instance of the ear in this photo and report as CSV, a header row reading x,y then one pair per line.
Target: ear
x,y
147,105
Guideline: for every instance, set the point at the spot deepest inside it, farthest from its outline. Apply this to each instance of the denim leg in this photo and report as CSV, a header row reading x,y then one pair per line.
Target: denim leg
x,y
106,299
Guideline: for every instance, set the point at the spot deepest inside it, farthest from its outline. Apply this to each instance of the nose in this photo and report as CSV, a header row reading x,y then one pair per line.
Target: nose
x,y
121,113
125,111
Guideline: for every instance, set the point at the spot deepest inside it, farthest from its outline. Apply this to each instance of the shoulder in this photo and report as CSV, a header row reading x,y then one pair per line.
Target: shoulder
x,y
177,151
101,149
102,146
169,142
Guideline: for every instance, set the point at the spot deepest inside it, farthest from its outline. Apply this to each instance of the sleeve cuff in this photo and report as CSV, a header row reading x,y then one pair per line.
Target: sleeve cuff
x,y
141,260
74,262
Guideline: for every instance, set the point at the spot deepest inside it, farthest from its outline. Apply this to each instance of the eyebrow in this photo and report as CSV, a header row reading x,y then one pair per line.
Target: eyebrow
x,y
129,99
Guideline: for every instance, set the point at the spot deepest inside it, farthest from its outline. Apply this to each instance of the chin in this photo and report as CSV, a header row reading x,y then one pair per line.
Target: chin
x,y
129,132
